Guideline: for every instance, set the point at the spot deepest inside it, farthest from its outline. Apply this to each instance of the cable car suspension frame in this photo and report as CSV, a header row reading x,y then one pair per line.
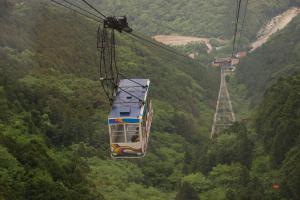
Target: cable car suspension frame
x,y
106,44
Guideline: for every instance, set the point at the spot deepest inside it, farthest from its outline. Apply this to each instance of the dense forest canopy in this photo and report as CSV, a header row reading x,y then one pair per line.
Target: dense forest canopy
x,y
279,57
53,132
204,18
54,111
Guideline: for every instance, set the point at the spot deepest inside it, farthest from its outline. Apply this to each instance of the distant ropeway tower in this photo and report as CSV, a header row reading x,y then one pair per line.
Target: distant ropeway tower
x,y
224,116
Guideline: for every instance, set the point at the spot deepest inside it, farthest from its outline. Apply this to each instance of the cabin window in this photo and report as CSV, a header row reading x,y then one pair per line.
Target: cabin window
x,y
117,133
132,133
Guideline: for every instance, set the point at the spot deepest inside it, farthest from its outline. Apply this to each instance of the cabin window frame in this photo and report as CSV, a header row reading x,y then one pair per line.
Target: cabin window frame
x,y
137,125
113,134
125,133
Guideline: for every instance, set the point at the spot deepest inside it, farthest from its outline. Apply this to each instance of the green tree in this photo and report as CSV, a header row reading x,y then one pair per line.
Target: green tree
x,y
198,181
186,191
233,145
278,117
290,180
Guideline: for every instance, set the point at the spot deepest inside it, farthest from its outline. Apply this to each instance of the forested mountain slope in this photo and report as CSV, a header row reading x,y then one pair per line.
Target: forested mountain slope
x,y
205,18
270,76
280,56
277,126
53,132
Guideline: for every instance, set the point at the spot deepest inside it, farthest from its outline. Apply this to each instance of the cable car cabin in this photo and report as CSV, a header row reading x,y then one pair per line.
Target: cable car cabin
x,y
130,119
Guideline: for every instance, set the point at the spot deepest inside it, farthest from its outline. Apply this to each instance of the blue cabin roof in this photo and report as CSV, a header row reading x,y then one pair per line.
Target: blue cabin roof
x,y
129,99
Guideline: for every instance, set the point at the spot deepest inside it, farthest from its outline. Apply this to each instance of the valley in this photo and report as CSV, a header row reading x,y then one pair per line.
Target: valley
x,y
176,40
274,25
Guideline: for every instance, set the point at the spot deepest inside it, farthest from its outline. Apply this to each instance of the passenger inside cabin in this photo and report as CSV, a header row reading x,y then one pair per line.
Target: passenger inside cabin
x,y
135,138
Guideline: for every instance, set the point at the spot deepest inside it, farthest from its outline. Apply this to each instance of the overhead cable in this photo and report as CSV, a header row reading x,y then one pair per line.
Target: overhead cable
x,y
76,11
158,45
236,25
92,7
243,24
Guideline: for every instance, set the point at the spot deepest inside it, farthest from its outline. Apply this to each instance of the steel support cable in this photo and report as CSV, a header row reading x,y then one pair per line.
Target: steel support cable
x,y
92,7
82,9
134,48
187,60
245,14
112,80
109,74
120,74
102,39
125,76
130,94
120,101
113,64
110,69
147,44
141,85
134,35
158,45
102,35
113,57
150,45
243,24
76,11
237,8
105,86
103,52
236,25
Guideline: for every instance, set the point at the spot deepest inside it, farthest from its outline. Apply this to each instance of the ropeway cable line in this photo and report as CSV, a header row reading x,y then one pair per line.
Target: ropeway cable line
x,y
129,120
243,25
69,7
237,17
109,73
